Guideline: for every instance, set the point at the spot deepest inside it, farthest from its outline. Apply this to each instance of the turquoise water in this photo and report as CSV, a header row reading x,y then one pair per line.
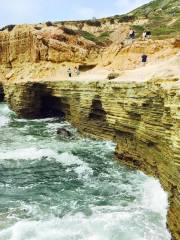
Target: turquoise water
x,y
71,189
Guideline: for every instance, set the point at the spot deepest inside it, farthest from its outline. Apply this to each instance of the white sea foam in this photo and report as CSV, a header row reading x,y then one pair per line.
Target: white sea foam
x,y
26,154
4,121
154,197
136,220
4,109
82,170
77,227
98,226
4,112
67,159
36,120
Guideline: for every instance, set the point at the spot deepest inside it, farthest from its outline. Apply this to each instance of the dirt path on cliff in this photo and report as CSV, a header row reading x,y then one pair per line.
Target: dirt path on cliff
x,y
163,69
166,69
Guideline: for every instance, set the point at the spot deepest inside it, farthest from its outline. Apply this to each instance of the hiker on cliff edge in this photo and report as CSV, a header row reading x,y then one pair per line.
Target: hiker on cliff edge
x,y
132,34
144,59
69,72
148,34
144,35
76,70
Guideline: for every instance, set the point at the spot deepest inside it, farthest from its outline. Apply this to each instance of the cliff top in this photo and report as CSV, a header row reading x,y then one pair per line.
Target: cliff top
x,y
45,50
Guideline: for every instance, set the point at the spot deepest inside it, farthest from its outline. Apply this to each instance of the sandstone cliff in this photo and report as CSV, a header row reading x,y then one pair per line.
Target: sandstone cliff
x,y
44,50
140,110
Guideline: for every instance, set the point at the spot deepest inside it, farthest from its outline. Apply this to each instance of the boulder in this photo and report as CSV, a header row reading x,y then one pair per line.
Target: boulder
x,y
64,132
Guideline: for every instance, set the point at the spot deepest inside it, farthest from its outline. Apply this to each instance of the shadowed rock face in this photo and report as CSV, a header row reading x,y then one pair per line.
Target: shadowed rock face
x,y
1,93
97,112
142,118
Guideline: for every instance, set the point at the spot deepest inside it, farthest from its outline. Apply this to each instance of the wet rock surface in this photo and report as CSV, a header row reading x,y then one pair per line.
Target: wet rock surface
x,y
63,133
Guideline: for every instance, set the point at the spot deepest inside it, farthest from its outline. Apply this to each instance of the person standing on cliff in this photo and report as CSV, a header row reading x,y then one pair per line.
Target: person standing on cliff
x,y
132,34
76,70
144,59
144,35
69,72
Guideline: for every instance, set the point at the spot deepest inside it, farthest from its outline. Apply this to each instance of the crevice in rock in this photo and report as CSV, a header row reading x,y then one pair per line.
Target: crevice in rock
x,y
151,144
124,134
1,93
86,67
97,112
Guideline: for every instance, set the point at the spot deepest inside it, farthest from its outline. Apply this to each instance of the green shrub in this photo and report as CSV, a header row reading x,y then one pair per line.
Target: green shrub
x,y
162,30
112,21
89,36
69,31
125,18
95,23
8,27
102,39
37,28
138,28
113,75
49,24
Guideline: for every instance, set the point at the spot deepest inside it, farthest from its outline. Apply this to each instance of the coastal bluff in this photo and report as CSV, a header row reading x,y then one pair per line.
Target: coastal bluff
x,y
142,118
139,110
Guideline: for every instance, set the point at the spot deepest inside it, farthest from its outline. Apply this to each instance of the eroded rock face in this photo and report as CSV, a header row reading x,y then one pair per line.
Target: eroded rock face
x,y
142,118
26,43
36,52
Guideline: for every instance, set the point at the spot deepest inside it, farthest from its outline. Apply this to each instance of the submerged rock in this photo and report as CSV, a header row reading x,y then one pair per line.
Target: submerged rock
x,y
64,132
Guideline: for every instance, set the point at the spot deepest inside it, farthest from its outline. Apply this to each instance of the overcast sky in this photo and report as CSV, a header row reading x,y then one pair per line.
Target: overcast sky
x,y
35,11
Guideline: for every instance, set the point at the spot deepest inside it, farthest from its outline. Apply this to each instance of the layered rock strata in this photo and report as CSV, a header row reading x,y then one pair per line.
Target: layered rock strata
x,y
142,118
38,51
28,43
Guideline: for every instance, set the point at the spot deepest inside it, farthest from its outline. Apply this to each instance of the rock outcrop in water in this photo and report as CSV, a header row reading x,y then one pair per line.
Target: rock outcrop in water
x,y
142,118
63,133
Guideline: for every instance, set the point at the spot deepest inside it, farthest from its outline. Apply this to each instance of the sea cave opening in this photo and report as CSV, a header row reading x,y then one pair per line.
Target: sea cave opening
x,y
52,106
97,112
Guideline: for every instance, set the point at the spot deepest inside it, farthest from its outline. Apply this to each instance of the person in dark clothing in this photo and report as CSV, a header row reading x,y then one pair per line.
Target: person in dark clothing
x,y
144,35
148,34
144,59
132,34
69,72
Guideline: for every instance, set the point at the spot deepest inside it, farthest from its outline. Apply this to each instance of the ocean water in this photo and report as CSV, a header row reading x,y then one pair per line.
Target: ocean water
x,y
71,189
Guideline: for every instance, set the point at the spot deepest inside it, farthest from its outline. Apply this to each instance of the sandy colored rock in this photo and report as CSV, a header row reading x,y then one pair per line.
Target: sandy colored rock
x,y
9,75
139,110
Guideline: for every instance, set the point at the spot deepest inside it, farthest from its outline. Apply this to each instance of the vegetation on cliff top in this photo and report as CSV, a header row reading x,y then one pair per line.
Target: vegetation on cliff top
x,y
163,18
102,39
8,27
